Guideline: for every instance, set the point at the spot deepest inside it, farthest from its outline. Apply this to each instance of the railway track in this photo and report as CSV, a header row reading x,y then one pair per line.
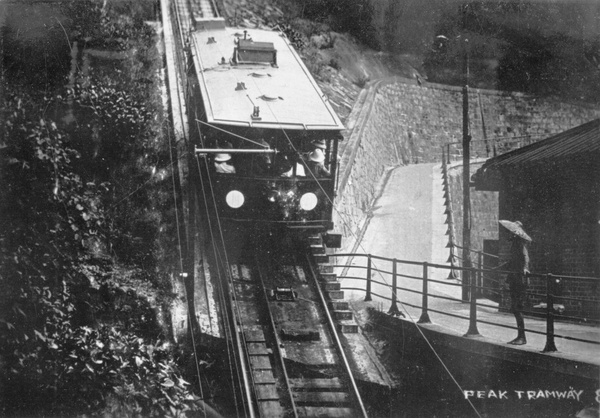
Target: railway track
x,y
203,9
296,364
285,350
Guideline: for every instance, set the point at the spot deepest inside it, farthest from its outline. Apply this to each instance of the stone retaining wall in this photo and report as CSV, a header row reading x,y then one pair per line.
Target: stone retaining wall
x,y
401,122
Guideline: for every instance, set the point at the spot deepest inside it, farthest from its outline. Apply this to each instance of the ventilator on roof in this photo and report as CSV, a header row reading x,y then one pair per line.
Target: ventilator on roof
x,y
250,52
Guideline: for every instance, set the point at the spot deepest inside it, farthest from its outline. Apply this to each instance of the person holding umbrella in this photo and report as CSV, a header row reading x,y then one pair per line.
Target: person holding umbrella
x,y
518,265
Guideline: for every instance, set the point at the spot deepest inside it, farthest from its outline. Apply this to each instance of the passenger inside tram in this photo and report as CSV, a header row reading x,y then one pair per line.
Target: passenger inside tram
x,y
223,165
262,163
288,166
316,163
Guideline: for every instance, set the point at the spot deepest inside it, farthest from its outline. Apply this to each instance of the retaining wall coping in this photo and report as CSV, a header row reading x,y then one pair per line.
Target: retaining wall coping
x,y
490,92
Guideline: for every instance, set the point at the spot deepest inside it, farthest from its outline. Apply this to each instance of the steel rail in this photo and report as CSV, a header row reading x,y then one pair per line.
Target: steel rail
x,y
278,343
241,351
336,338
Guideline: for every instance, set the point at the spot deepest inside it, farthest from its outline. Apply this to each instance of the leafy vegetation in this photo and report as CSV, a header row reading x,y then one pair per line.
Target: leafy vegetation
x,y
511,48
352,16
85,196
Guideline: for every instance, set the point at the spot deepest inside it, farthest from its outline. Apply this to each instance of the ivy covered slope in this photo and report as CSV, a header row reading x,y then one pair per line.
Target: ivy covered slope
x,y
86,199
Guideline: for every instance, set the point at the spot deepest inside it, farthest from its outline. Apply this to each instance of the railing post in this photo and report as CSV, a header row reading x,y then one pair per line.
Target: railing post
x,y
368,295
473,311
424,319
479,292
550,346
465,283
448,153
394,308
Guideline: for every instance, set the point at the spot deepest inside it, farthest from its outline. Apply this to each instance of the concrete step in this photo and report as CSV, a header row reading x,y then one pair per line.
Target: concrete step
x,y
317,249
348,327
339,305
328,277
321,258
315,240
325,268
329,286
336,294
343,315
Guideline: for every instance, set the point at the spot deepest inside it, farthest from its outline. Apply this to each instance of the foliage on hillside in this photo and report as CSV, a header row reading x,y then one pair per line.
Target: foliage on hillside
x,y
530,47
509,50
82,210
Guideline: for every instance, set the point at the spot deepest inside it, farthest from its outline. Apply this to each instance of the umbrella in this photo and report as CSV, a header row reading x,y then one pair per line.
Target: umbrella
x,y
516,228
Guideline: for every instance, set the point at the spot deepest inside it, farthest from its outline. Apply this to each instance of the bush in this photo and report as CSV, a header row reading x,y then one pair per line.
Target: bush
x,y
72,198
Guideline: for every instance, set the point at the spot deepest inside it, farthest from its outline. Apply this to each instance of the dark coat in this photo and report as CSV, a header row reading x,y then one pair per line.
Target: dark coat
x,y
518,263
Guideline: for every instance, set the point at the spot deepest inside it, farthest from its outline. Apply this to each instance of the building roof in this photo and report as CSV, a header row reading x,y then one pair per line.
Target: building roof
x,y
581,143
265,71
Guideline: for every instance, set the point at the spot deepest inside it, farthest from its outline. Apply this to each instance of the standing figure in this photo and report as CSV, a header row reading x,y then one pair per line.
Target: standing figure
x,y
518,265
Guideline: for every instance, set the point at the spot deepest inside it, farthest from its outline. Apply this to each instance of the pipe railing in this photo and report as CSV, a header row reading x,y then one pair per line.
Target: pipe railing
x,y
487,148
365,273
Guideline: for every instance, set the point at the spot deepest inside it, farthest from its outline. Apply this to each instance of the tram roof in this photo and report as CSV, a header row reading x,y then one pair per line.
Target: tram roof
x,y
286,94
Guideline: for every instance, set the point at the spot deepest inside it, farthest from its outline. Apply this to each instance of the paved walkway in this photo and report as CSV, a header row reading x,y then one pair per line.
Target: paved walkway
x,y
406,225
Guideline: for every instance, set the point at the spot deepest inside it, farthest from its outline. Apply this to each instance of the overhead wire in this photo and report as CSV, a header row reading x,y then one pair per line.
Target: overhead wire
x,y
224,319
181,266
227,320
226,264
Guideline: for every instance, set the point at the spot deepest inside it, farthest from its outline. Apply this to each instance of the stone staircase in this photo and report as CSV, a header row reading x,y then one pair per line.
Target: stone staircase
x,y
331,287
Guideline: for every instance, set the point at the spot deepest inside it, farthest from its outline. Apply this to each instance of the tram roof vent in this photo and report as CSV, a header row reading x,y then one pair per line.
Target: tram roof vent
x,y
250,52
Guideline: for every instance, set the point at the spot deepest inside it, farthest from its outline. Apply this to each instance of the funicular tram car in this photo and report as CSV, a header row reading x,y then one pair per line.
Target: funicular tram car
x,y
269,137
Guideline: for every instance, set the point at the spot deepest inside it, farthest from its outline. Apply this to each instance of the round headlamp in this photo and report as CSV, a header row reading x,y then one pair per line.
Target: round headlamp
x,y
308,201
235,199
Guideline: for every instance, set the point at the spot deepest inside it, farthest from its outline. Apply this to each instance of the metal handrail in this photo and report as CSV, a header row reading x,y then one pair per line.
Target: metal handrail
x,y
476,251
475,287
493,146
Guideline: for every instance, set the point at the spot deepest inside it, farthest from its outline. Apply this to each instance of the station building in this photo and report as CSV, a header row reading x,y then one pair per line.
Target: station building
x,y
553,188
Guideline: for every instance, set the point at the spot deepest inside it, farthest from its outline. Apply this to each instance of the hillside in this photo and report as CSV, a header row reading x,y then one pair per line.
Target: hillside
x,y
541,48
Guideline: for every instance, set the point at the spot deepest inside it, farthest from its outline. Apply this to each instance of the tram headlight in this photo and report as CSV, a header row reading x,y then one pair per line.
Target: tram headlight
x,y
235,199
308,201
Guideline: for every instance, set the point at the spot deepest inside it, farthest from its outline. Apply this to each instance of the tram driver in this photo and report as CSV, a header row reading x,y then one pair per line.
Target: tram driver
x,y
316,163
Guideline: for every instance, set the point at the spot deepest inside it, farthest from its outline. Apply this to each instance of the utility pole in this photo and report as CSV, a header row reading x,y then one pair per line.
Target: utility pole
x,y
468,276
466,253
